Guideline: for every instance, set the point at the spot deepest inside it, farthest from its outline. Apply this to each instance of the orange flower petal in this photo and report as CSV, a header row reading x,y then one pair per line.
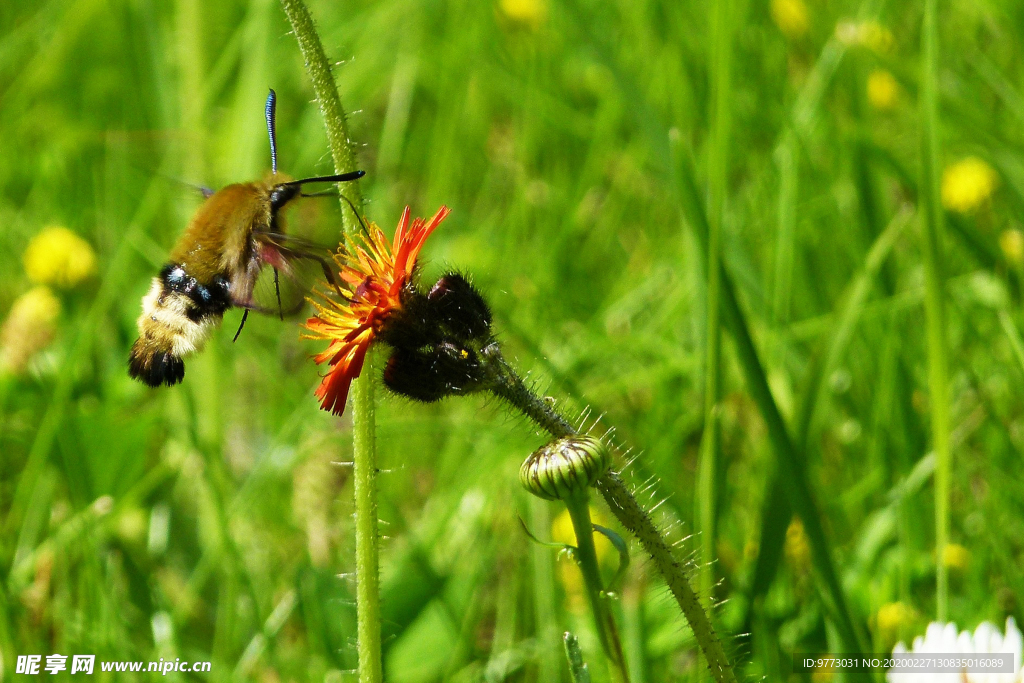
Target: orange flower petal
x,y
374,274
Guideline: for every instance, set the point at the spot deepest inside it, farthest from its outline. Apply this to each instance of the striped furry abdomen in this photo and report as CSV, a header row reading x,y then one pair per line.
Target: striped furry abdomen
x,y
178,315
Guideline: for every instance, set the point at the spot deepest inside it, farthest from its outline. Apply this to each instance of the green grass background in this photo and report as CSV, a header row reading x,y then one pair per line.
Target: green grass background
x,y
564,147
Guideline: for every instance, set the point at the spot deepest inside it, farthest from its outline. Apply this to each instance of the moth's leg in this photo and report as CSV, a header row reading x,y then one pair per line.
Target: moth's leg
x,y
245,314
326,268
251,305
277,290
288,248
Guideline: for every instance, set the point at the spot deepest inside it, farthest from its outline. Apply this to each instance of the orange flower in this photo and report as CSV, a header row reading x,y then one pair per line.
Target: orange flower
x,y
373,274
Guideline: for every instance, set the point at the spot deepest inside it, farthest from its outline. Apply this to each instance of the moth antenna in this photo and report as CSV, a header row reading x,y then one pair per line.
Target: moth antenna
x,y
339,178
271,114
245,314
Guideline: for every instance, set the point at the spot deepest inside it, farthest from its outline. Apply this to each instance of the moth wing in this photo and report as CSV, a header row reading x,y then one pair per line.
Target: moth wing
x,y
292,267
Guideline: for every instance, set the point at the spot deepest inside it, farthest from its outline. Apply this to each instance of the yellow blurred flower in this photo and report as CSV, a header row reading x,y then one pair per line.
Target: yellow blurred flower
x,y
956,557
528,13
823,674
883,90
28,329
892,618
869,34
1012,243
59,258
798,548
562,532
791,17
968,184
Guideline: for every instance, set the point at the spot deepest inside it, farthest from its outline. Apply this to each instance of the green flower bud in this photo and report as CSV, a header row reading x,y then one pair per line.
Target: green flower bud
x,y
565,467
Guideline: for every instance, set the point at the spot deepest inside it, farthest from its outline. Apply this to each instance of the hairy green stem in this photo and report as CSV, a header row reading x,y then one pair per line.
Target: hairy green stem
x,y
364,447
319,70
934,309
504,382
367,535
632,516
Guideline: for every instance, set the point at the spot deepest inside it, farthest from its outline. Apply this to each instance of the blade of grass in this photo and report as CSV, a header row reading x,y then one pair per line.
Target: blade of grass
x,y
578,670
1013,335
934,303
787,158
707,476
633,626
789,459
776,510
855,297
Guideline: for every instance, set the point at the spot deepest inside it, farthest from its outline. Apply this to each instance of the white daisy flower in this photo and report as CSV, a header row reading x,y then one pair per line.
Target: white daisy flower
x,y
944,639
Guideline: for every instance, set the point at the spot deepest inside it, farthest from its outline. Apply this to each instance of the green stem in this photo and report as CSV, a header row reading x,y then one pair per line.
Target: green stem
x,y
586,558
934,308
319,70
364,448
639,523
505,383
367,534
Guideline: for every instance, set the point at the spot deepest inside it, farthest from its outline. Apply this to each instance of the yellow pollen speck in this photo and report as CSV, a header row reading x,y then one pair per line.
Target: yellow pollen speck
x,y
968,184
791,17
883,90
59,258
956,557
1012,243
528,13
28,329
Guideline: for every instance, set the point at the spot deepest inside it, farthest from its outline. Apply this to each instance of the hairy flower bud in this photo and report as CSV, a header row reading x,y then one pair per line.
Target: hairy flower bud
x,y
432,373
459,308
565,467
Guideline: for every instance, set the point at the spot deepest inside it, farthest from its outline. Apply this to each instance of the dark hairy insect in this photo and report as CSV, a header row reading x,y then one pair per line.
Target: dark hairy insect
x,y
215,264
